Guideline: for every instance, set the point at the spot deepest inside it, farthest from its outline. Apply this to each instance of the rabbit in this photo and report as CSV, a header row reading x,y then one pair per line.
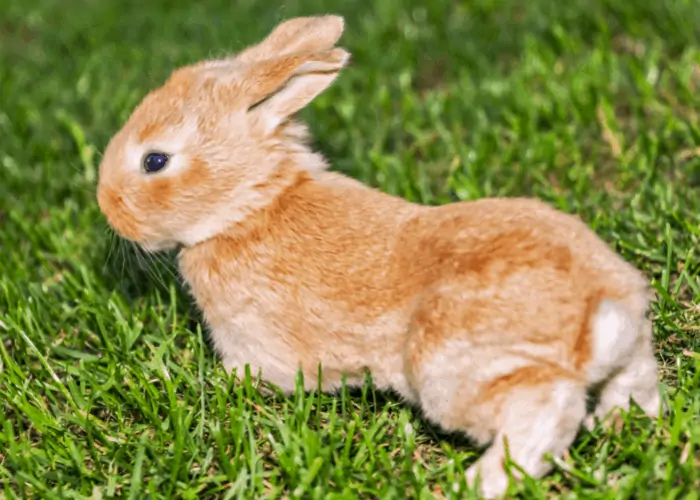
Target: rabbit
x,y
496,317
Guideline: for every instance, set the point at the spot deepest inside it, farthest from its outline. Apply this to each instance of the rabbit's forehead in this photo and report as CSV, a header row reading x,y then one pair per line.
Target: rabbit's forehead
x,y
161,115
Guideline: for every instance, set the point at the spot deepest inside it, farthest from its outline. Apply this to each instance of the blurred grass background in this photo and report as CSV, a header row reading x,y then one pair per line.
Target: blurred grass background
x,y
107,384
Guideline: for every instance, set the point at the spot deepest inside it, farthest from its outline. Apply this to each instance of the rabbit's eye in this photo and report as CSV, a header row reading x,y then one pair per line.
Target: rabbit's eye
x,y
153,162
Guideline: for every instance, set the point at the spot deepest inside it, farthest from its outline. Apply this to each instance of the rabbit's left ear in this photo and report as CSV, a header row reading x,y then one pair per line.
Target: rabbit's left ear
x,y
277,88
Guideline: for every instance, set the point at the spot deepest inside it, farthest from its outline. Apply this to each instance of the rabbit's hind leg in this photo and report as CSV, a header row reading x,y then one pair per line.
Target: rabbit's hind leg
x,y
637,381
534,421
497,395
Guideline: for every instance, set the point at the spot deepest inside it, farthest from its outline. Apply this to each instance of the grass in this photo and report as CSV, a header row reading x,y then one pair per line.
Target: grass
x,y
108,386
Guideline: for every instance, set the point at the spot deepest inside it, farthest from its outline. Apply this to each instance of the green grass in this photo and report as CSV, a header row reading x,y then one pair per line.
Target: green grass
x,y
108,386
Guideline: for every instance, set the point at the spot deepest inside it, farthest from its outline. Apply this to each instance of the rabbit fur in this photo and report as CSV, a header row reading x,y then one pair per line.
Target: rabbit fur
x,y
494,316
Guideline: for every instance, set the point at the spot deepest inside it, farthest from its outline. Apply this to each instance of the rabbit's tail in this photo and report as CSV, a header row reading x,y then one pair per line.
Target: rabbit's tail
x,y
613,340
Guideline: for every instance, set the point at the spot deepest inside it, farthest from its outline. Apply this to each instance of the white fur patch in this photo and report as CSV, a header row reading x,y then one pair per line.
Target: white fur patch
x,y
614,339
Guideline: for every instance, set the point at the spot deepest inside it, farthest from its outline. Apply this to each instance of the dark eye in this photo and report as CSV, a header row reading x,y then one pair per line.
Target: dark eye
x,y
153,162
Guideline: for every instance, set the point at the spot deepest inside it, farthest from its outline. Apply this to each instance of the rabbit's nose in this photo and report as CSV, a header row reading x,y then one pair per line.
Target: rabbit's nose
x,y
118,215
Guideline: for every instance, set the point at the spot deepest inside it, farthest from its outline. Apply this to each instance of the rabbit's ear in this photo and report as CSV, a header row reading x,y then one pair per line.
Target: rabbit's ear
x,y
300,34
277,88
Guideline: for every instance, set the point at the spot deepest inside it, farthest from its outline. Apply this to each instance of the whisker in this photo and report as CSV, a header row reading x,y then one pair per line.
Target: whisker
x,y
122,251
111,243
165,264
152,271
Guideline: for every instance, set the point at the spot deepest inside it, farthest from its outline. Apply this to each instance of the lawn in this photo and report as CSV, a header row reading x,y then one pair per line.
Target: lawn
x,y
108,385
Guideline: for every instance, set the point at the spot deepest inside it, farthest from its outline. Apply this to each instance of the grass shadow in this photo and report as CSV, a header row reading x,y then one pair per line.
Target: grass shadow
x,y
137,276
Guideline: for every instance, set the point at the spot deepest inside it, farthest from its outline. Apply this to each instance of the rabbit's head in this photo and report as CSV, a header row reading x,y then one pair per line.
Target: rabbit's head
x,y
208,147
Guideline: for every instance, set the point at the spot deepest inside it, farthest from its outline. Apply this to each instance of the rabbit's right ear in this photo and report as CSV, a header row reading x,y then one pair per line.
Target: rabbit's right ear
x,y
277,88
299,34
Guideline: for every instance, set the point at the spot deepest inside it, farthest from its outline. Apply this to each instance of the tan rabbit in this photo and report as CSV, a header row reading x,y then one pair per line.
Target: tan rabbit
x,y
494,316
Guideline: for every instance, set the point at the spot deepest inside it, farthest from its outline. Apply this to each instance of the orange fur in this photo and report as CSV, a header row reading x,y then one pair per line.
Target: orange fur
x,y
494,316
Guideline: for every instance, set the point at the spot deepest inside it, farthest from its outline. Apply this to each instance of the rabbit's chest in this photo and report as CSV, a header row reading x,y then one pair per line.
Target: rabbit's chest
x,y
273,322
250,324
247,338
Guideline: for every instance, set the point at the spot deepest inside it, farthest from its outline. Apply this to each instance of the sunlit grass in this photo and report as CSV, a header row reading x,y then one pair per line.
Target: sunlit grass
x,y
108,386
